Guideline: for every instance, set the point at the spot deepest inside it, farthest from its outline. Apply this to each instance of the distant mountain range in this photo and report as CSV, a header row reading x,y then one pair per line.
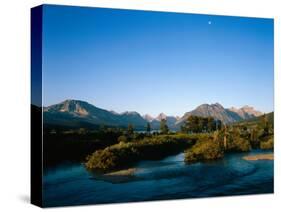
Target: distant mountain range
x,y
155,122
76,113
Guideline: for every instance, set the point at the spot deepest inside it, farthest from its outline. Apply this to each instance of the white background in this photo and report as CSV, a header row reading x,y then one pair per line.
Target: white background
x,y
15,103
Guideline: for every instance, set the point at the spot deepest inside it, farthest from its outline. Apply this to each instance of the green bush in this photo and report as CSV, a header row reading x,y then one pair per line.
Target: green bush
x,y
269,144
234,141
204,150
238,144
122,138
125,154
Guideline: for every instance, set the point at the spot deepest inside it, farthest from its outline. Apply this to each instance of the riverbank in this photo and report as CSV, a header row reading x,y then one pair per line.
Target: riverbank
x,y
269,156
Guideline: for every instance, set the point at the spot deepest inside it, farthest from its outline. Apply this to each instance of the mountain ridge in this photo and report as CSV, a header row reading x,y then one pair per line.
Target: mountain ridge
x,y
217,111
71,111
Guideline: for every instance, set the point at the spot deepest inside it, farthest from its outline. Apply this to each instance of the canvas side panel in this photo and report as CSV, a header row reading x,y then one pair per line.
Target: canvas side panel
x,y
36,106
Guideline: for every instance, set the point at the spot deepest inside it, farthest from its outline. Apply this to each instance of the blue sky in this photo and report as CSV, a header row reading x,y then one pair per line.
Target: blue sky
x,y
154,62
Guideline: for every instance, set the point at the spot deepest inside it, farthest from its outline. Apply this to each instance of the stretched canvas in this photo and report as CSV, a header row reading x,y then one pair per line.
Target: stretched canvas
x,y
131,105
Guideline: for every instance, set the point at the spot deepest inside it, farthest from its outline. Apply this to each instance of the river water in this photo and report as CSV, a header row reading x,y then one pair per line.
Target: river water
x,y
169,178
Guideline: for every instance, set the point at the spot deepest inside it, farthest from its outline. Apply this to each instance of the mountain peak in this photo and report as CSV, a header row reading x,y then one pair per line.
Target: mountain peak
x,y
73,101
77,107
218,105
130,113
247,107
246,111
161,116
148,117
205,106
114,112
250,110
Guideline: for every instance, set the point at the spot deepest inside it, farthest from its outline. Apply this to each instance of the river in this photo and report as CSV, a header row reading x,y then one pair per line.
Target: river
x,y
169,178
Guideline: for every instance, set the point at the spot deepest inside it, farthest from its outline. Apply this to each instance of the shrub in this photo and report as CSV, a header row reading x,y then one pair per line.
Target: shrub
x,y
269,144
204,150
238,144
122,138
125,154
235,142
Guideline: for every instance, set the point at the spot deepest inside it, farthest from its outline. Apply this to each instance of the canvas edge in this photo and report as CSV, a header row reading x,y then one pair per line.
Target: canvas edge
x,y
36,106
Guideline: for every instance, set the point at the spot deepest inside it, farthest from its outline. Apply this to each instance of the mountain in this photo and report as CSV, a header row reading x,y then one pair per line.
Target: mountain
x,y
253,122
161,116
148,117
155,122
171,121
76,113
79,113
132,117
217,111
246,112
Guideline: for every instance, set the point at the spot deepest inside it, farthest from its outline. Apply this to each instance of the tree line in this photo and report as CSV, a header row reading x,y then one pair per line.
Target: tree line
x,y
197,124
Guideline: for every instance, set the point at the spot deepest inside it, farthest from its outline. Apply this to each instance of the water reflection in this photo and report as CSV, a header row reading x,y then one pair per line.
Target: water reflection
x,y
71,184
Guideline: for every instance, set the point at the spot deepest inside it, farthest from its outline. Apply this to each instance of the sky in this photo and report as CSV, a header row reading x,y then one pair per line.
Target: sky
x,y
152,62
